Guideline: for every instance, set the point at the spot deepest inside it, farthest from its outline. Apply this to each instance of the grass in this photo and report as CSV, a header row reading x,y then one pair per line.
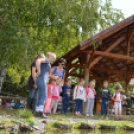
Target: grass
x,y
9,112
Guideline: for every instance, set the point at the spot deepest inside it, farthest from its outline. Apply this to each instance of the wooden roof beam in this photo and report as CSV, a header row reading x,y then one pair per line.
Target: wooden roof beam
x,y
114,66
108,50
115,56
102,69
111,70
92,77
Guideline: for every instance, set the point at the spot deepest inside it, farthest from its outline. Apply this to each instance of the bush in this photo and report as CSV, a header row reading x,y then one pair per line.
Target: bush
x,y
25,113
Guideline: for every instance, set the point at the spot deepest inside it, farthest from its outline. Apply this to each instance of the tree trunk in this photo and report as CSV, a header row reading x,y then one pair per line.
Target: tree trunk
x,y
3,72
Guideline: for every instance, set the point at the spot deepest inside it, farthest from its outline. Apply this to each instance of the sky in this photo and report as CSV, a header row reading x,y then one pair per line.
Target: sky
x,y
127,6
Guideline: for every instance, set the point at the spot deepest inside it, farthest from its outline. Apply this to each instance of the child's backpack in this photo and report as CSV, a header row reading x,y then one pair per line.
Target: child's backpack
x,y
76,91
112,101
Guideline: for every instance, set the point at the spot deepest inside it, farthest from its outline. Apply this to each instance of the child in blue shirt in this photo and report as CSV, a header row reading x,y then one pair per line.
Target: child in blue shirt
x,y
65,96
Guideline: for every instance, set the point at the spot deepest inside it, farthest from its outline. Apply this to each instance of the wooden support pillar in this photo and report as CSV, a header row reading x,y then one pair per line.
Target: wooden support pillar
x,y
128,79
127,88
67,70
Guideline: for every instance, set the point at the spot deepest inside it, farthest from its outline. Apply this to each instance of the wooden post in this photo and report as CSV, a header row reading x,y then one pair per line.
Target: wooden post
x,y
127,88
67,70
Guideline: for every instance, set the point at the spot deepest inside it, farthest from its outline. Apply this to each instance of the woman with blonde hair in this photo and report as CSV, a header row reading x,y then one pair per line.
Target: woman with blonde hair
x,y
32,97
43,70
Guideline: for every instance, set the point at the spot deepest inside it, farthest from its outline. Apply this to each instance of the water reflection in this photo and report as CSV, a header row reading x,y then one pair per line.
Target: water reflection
x,y
97,131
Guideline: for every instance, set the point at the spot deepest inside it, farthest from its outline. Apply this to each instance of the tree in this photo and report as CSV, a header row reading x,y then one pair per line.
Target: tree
x,y
32,26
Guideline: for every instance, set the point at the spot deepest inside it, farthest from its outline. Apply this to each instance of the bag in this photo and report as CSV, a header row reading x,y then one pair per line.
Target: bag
x,y
76,91
30,83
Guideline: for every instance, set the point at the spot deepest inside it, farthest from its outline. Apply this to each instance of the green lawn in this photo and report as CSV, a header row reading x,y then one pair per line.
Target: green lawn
x,y
15,113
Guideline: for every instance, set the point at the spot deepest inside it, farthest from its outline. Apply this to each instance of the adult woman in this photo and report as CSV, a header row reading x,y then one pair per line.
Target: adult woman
x,y
32,97
59,70
43,69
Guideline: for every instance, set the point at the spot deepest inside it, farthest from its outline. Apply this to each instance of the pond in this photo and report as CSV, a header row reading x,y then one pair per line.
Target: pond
x,y
96,131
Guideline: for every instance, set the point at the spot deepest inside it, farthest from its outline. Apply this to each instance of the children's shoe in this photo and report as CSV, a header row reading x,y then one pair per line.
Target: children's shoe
x,y
102,117
106,117
87,115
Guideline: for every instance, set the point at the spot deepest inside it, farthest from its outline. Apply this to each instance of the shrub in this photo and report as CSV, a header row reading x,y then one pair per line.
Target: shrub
x,y
25,113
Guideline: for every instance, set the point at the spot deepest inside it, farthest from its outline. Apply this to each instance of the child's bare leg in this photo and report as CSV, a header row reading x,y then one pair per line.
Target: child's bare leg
x,y
51,105
55,107
116,111
120,111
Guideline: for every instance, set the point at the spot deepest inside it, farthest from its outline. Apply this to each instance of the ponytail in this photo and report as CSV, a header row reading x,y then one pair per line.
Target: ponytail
x,y
37,56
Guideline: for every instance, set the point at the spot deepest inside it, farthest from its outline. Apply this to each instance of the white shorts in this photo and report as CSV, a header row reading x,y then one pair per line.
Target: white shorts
x,y
117,106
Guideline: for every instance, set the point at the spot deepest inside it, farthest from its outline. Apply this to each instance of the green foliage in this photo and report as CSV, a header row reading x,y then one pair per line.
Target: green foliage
x,y
29,121
25,113
15,88
32,26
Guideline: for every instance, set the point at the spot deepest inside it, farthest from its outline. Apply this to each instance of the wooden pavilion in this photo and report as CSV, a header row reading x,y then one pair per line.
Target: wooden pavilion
x,y
111,59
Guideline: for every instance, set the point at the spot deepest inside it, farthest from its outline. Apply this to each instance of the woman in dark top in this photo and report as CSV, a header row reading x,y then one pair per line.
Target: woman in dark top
x,y
32,97
43,69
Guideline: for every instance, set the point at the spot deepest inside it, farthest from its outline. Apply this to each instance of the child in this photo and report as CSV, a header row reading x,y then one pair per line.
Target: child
x,y
17,105
79,96
90,99
55,96
7,105
104,98
65,96
50,86
117,97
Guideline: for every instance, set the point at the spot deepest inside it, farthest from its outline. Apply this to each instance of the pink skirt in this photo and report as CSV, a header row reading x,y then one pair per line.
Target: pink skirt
x,y
47,105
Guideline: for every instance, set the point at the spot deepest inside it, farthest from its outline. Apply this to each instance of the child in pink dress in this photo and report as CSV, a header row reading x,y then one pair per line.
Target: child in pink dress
x,y
117,97
50,87
55,95
90,98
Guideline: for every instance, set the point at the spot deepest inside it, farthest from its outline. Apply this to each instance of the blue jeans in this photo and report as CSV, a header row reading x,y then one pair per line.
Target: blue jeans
x,y
65,106
78,107
42,93
104,106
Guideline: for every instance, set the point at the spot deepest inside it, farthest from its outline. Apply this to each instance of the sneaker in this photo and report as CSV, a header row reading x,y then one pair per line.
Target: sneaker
x,y
106,117
91,115
87,115
102,117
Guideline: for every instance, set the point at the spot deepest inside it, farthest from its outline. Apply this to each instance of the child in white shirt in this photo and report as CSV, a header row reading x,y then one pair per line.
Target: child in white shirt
x,y
79,96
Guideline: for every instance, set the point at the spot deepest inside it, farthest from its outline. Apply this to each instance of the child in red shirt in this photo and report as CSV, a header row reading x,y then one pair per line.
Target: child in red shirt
x,y
50,87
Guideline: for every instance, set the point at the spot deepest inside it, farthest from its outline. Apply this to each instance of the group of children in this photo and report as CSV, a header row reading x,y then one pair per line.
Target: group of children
x,y
80,94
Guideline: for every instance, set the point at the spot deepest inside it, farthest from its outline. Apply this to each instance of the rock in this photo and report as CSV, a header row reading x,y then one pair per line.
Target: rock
x,y
24,128
107,127
2,126
63,125
87,126
129,128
